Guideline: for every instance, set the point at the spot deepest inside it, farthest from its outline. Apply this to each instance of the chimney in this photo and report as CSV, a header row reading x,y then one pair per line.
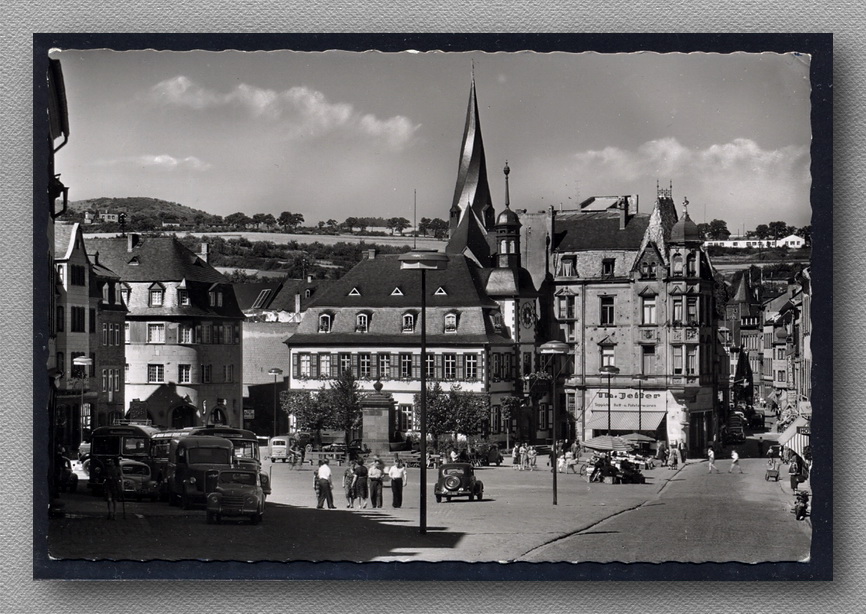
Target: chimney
x,y
133,240
623,212
309,279
297,302
371,253
203,254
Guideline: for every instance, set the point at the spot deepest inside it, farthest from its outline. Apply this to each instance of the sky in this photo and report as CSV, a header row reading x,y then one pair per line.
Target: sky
x,y
337,134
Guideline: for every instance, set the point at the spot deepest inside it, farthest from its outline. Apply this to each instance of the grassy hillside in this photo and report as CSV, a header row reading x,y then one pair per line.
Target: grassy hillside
x,y
139,206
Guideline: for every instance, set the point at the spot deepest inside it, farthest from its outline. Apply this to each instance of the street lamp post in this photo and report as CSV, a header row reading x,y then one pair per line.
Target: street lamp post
x,y
554,348
609,371
276,371
84,364
423,260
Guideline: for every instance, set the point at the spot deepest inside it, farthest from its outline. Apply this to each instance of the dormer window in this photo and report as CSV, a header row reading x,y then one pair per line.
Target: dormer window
x,y
397,292
156,295
215,298
440,291
496,319
126,293
566,267
408,322
677,262
450,322
183,297
362,323
607,267
325,323
354,292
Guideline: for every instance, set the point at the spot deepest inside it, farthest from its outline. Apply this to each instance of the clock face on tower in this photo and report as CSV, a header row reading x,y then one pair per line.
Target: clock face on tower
x,y
527,315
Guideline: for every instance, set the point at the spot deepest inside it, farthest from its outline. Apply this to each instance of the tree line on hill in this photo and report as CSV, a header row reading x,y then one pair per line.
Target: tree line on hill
x,y
717,230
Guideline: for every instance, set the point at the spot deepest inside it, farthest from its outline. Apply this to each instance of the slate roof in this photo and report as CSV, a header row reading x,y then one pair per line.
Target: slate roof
x,y
576,231
285,298
376,280
63,232
248,293
158,259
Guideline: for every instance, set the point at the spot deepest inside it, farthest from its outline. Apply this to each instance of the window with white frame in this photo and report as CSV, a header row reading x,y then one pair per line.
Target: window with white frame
x,y
126,332
406,417
105,334
184,374
691,360
325,323
471,362
155,374
678,310
677,261
431,366
364,364
185,334
606,305
105,380
450,322
155,297
495,419
449,364
183,297
155,332
405,365
648,359
345,362
304,365
608,355
362,321
324,365
126,293
692,310
384,365
408,322
649,310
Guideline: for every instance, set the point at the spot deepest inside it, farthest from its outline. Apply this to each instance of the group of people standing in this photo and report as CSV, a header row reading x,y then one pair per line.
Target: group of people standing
x,y
524,457
360,483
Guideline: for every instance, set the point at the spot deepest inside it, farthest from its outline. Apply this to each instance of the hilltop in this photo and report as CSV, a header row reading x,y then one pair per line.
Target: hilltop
x,y
141,206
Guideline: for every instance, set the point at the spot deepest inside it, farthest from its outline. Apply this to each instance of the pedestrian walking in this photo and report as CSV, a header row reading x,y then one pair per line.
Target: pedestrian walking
x,y
112,486
359,484
681,449
533,457
399,479
515,456
673,457
794,474
348,487
711,457
376,474
323,478
735,462
524,459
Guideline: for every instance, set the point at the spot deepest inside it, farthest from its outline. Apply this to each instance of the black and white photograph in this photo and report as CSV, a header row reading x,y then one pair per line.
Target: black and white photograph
x,y
347,306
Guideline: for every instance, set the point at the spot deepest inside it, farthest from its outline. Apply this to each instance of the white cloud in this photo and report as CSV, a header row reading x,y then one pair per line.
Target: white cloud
x,y
307,113
738,180
158,161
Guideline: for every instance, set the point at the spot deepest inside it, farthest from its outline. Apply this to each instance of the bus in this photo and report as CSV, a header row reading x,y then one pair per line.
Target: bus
x,y
119,440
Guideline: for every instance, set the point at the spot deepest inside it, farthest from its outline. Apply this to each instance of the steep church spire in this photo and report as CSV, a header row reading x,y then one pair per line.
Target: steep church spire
x,y
472,190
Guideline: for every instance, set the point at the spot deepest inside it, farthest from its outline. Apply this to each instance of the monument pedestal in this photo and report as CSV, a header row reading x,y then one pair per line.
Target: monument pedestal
x,y
378,418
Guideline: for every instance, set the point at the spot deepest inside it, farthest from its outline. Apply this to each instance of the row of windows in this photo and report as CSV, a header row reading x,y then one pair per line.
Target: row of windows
x,y
156,374
111,380
78,319
685,359
156,296
362,322
206,332
567,267
367,365
649,310
110,334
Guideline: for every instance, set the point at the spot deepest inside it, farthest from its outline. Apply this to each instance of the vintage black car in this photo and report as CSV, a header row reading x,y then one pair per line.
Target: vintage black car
x,y
458,480
236,493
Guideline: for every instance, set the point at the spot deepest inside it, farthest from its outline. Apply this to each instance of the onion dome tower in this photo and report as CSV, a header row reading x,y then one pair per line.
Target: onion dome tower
x,y
507,230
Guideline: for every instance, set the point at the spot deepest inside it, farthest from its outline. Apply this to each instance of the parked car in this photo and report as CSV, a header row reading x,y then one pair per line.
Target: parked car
x,y
137,480
236,493
457,480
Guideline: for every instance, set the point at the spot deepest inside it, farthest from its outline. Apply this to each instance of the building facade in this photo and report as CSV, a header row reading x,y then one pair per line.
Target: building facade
x,y
183,333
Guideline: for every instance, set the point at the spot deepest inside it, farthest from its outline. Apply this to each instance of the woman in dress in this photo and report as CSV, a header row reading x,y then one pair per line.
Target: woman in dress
x,y
348,486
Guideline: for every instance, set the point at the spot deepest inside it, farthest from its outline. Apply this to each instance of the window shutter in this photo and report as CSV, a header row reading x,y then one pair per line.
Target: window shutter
x,y
459,366
198,333
356,371
296,366
335,365
437,366
374,364
416,365
314,365
395,366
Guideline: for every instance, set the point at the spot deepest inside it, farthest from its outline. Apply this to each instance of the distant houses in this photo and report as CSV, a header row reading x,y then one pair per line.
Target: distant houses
x,y
791,241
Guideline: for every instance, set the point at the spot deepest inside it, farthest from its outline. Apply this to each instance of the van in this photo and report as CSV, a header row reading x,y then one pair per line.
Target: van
x,y
279,449
190,459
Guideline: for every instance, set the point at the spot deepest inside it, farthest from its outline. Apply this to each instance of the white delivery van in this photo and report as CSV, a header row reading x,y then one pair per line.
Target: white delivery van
x,y
279,449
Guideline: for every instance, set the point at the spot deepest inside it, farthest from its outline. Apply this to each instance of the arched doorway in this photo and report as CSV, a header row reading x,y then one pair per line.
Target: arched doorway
x,y
183,416
219,416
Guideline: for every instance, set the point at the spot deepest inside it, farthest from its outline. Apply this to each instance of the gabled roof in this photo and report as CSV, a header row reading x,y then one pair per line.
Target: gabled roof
x,y
579,231
375,279
158,259
63,239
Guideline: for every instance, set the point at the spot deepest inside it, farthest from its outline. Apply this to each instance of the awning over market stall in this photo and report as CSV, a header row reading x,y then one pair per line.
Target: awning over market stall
x,y
797,435
627,421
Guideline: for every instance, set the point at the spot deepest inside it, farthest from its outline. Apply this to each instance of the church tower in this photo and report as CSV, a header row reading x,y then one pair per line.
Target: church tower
x,y
471,216
507,230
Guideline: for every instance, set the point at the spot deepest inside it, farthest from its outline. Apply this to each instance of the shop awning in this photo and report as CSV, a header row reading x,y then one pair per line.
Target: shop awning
x,y
797,435
626,421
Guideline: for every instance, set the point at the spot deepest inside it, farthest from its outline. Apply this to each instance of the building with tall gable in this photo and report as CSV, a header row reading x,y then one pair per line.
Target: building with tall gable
x,y
183,333
481,311
635,291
